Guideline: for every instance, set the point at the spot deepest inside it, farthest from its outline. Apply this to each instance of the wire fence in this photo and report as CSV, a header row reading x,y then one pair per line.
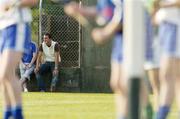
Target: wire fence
x,y
84,66
65,30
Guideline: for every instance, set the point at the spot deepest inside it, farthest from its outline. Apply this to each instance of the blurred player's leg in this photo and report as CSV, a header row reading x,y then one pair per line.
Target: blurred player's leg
x,y
153,75
178,74
119,90
167,67
14,35
152,71
12,87
6,103
147,110
166,86
149,63
118,82
177,71
177,83
167,16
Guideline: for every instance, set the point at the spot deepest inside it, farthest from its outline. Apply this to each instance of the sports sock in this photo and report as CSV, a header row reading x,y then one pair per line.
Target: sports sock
x,y
7,112
163,112
17,112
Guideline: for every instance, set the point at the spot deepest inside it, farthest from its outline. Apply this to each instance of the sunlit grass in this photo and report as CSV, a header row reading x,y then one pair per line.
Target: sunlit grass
x,y
68,106
71,106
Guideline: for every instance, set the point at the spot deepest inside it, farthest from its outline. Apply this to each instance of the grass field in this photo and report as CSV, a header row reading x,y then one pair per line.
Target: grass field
x,y
71,106
67,106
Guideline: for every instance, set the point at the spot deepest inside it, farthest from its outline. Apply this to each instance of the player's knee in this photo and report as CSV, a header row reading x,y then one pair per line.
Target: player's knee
x,y
115,86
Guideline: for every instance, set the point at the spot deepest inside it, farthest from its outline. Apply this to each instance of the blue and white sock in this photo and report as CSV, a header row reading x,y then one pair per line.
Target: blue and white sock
x,y
163,112
7,112
17,112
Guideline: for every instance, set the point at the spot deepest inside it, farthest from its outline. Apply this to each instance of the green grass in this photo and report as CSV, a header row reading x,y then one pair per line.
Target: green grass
x,y
67,106
71,106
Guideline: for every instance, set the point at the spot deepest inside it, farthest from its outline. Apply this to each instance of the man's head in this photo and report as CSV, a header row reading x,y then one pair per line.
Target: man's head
x,y
47,39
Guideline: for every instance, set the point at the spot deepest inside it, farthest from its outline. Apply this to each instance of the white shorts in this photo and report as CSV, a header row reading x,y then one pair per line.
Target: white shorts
x,y
151,45
154,63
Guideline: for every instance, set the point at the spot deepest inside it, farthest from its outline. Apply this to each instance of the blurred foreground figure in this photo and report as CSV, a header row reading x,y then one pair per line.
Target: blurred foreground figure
x,y
167,16
109,14
15,33
152,52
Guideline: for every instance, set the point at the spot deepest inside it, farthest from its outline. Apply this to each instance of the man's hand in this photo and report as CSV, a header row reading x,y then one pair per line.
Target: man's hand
x,y
28,66
71,9
55,72
99,36
156,5
36,70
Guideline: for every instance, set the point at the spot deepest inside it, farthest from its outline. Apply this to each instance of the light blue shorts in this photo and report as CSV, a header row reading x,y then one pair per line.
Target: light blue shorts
x,y
148,38
117,49
151,46
15,37
169,42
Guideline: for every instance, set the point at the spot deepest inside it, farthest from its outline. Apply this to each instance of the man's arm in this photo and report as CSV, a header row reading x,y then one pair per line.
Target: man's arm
x,y
157,4
30,3
39,57
73,8
164,4
101,35
20,3
38,61
34,55
56,60
57,56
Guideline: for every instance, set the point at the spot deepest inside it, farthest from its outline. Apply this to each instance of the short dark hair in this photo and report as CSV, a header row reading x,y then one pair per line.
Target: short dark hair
x,y
48,34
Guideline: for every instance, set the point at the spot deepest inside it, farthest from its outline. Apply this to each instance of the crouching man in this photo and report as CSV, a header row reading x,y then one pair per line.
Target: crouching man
x,y
49,49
